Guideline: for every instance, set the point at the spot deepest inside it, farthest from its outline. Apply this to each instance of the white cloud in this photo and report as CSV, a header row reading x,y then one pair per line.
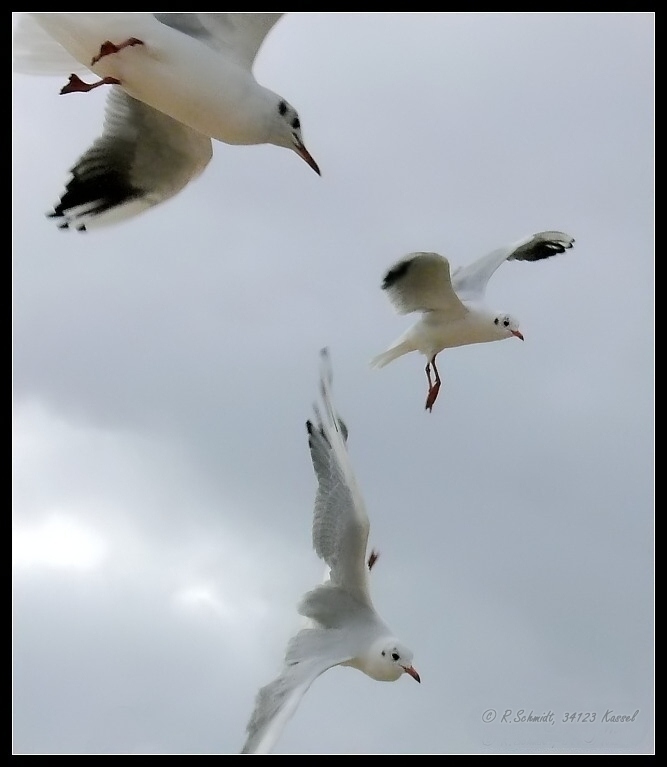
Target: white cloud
x,y
58,541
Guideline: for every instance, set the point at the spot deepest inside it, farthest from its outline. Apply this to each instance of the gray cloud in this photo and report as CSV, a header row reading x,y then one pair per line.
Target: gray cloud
x,y
163,371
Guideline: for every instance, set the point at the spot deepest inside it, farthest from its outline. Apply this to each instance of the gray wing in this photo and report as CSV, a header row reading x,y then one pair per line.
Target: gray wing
x,y
420,282
238,35
470,281
142,158
311,652
340,522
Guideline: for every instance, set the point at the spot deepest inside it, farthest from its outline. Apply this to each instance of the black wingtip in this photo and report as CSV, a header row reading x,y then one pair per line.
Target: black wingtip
x,y
94,188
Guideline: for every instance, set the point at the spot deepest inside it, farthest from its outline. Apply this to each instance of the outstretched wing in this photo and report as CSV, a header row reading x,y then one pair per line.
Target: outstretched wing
x,y
340,522
309,653
35,52
420,282
237,35
142,158
470,281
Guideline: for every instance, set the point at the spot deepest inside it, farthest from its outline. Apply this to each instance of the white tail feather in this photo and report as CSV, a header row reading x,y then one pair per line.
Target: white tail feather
x,y
390,355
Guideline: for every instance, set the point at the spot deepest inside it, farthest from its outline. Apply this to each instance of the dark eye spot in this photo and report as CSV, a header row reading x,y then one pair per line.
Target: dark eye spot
x,y
395,656
295,123
496,321
506,323
383,653
282,107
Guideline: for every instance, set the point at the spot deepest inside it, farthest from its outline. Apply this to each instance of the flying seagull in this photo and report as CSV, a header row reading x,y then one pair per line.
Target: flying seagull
x,y
344,628
176,80
453,312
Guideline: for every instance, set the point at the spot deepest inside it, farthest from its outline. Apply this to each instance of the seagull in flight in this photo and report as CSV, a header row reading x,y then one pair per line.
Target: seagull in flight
x,y
452,307
176,81
343,627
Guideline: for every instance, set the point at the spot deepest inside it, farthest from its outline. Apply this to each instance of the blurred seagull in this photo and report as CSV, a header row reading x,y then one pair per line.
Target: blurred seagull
x,y
177,80
452,307
343,627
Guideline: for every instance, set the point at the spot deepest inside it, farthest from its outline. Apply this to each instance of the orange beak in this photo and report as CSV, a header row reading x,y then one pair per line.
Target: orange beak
x,y
413,672
517,334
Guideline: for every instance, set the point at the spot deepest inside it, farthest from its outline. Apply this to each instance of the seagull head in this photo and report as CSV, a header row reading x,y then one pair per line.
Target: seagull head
x,y
507,326
287,132
389,660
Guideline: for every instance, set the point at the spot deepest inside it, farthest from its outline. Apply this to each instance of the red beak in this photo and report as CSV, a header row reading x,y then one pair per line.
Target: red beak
x,y
305,154
413,672
517,334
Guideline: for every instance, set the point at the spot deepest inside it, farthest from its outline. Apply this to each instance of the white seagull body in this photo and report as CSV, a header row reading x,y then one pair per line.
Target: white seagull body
x,y
177,81
452,304
343,627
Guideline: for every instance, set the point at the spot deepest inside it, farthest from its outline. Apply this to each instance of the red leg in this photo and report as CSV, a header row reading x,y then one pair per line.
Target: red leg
x,y
433,389
77,85
107,48
372,559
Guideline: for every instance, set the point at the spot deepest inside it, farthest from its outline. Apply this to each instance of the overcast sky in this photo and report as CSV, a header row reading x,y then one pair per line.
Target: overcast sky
x,y
163,370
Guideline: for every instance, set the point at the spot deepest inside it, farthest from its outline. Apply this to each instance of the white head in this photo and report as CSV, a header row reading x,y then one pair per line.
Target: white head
x,y
285,131
507,326
388,659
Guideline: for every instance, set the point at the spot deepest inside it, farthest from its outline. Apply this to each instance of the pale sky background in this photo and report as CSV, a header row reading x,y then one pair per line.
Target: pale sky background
x,y
163,370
